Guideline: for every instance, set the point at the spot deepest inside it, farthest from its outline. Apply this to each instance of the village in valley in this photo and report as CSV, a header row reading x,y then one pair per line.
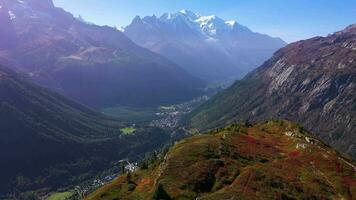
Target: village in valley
x,y
168,118
172,114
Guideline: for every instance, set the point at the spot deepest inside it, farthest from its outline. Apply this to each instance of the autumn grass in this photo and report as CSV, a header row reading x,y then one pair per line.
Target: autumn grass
x,y
242,162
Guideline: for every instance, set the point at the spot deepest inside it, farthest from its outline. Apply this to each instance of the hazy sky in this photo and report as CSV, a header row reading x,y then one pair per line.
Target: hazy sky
x,y
289,19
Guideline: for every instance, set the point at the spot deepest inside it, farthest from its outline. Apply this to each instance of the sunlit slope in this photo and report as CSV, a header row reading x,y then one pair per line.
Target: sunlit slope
x,y
272,160
312,82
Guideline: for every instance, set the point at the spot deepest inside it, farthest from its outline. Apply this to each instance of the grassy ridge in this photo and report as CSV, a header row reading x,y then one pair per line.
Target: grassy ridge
x,y
272,160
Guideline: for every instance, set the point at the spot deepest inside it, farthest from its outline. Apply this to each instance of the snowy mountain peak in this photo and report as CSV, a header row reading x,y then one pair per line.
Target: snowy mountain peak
x,y
186,15
136,19
189,13
208,47
231,23
209,17
185,22
208,26
213,25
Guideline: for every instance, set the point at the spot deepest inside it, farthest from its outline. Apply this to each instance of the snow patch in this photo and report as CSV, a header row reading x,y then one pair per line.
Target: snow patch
x,y
190,14
212,25
231,23
12,15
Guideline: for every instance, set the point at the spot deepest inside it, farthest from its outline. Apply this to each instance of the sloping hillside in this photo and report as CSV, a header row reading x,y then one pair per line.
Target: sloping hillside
x,y
47,141
311,81
271,160
95,65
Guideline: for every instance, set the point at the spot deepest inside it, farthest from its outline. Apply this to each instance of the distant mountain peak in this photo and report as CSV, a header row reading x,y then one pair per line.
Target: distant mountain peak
x,y
137,20
186,12
350,28
190,39
56,39
42,4
211,25
185,15
189,14
81,19
231,23
208,26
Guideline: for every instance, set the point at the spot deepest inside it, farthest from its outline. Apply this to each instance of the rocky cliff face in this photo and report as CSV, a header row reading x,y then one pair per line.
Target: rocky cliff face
x,y
312,82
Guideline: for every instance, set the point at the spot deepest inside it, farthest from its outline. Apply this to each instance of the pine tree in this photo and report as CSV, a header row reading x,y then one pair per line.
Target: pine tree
x,y
161,194
122,166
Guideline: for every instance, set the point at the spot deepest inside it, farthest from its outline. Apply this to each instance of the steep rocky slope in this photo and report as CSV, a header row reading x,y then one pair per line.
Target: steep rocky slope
x,y
48,141
206,46
95,65
271,160
312,82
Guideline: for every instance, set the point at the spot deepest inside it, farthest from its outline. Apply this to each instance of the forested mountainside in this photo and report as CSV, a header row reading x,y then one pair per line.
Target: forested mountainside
x,y
312,82
95,65
208,47
270,160
48,141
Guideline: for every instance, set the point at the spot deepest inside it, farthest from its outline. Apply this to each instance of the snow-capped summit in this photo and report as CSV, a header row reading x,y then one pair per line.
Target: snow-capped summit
x,y
190,39
213,25
189,13
231,23
208,26
178,19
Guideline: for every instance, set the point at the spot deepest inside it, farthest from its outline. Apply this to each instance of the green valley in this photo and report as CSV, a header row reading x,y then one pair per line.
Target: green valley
x,y
60,196
132,114
49,142
128,130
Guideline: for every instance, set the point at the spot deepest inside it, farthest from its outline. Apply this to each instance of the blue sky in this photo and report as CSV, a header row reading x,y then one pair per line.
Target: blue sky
x,y
289,19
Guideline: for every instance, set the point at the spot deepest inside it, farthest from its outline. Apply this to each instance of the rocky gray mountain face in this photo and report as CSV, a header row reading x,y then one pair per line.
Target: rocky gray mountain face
x,y
98,66
206,46
312,82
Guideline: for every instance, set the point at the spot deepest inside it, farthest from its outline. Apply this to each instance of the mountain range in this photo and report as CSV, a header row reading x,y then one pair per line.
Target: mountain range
x,y
246,142
206,46
95,65
48,141
312,82
271,160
